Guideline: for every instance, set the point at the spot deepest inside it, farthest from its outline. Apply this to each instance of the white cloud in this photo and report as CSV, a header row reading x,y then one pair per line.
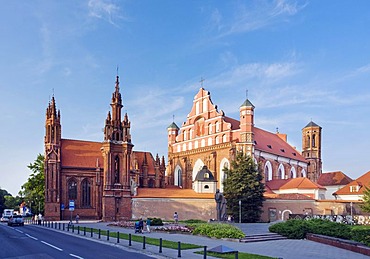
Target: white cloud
x,y
104,9
254,16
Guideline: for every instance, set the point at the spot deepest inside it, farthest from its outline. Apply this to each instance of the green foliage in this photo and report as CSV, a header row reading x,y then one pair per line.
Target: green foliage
x,y
297,229
156,222
217,230
33,191
12,202
366,198
361,234
3,195
243,183
193,221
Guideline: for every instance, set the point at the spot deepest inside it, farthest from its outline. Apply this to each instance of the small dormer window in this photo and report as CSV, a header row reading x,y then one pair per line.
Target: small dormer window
x,y
269,146
282,150
206,175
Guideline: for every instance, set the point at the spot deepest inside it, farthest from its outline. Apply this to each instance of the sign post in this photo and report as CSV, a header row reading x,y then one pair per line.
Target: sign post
x,y
71,209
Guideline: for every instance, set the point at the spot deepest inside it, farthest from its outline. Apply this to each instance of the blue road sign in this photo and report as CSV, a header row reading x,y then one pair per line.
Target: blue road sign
x,y
62,206
71,205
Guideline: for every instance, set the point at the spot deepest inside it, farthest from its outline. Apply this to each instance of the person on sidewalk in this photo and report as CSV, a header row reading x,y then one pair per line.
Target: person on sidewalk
x,y
176,218
77,218
148,222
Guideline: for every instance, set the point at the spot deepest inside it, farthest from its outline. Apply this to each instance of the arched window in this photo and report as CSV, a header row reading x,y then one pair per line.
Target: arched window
x,y
217,140
178,176
281,172
196,144
190,146
303,173
209,141
72,189
203,143
293,173
268,171
185,135
210,128
224,138
308,141
217,125
197,108
86,193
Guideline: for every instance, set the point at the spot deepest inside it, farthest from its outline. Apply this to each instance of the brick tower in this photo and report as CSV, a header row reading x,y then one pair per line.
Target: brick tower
x,y
52,161
116,150
311,150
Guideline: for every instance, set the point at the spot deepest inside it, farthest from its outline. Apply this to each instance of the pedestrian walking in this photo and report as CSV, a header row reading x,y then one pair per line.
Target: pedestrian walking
x,y
77,218
148,222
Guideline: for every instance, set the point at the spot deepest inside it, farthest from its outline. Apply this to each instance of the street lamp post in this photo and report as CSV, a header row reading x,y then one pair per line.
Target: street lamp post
x,y
240,211
351,204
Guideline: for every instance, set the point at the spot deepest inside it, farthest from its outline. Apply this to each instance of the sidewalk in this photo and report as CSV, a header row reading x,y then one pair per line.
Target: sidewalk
x,y
286,249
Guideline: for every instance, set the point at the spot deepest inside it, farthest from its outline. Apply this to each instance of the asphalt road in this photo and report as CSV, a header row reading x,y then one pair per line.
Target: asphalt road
x,y
34,242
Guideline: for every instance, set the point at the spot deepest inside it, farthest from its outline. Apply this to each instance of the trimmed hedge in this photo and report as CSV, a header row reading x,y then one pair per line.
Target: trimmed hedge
x,y
297,229
156,222
361,234
217,230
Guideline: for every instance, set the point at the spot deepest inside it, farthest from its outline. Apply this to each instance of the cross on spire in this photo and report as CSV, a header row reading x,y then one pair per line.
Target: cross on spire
x,y
201,81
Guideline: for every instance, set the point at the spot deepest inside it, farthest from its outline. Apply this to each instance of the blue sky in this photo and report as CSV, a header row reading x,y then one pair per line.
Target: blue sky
x,y
299,60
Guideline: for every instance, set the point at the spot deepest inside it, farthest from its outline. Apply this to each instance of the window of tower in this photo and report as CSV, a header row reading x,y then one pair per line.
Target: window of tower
x,y
116,169
313,140
86,193
308,141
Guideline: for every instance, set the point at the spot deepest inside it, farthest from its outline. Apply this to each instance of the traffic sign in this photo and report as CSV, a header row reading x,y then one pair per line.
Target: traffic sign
x,y
62,206
71,205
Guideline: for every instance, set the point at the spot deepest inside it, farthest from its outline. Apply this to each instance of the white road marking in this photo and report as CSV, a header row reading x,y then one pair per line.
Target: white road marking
x,y
76,256
34,238
57,248
20,231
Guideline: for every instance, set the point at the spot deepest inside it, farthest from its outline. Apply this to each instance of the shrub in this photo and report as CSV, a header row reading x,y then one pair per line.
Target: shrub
x,y
297,229
156,222
193,221
218,230
361,234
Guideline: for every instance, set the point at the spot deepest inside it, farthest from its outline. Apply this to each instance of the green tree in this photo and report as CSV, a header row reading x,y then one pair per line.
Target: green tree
x,y
33,191
366,198
12,202
3,194
243,183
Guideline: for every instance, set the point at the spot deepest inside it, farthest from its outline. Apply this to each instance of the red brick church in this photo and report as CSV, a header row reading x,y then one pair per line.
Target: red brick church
x,y
99,177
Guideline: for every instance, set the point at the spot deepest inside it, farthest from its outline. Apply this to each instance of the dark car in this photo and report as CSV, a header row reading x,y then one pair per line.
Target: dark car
x,y
16,220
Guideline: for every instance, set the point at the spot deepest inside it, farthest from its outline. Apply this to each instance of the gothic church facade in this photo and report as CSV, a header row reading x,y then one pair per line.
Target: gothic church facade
x,y
99,177
210,138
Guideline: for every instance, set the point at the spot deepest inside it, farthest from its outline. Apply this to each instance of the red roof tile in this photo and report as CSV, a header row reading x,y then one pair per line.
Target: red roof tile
x,y
334,178
79,153
363,180
273,144
275,184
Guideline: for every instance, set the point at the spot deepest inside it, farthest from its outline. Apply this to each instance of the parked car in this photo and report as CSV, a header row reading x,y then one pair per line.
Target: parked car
x,y
16,220
4,219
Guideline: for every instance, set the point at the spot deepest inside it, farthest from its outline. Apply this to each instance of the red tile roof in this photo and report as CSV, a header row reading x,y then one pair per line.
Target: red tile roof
x,y
275,184
291,196
362,181
301,183
273,144
235,124
79,153
334,178
172,192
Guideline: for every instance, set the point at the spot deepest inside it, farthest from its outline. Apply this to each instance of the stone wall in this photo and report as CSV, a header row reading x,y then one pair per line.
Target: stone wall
x,y
164,208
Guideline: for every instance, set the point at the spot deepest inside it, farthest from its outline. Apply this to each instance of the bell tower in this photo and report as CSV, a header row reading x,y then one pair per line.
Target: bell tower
x,y
52,143
311,150
116,150
246,112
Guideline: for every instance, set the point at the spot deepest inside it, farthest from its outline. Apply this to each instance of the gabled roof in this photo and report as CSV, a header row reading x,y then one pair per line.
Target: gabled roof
x,y
173,126
79,153
334,178
275,184
273,144
301,183
362,181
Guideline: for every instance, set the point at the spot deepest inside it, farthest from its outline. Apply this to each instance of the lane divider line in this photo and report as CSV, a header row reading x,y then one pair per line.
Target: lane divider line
x,y
76,256
20,231
57,248
34,238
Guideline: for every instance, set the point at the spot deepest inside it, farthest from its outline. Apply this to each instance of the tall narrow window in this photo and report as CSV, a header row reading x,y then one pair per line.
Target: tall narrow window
x,y
116,169
313,140
72,189
86,193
